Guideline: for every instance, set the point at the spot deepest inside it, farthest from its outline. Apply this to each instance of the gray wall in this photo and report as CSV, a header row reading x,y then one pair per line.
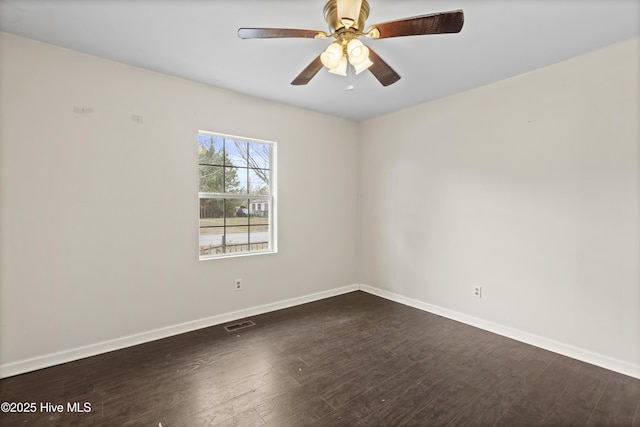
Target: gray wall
x,y
99,215
528,187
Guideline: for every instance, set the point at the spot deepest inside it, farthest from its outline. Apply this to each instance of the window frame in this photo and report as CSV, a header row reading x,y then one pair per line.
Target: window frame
x,y
270,199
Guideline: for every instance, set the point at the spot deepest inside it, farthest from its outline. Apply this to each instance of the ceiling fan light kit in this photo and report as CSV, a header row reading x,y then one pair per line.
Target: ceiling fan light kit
x,y
346,20
335,57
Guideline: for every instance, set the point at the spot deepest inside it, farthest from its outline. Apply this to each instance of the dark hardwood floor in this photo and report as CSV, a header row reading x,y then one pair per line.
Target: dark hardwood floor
x,y
352,360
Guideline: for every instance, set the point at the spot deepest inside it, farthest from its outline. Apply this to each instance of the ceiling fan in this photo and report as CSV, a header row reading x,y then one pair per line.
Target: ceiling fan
x,y
346,20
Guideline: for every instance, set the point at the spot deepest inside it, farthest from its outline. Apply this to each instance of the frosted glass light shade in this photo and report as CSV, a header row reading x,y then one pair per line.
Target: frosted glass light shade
x,y
358,52
363,66
358,55
332,56
341,68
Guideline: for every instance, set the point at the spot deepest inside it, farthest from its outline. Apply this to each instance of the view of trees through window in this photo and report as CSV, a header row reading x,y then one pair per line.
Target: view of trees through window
x,y
235,195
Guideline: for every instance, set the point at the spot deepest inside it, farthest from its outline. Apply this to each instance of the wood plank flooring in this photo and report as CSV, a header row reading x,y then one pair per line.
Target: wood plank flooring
x,y
351,360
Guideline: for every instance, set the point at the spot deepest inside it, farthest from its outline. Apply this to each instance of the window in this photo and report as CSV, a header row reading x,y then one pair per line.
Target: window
x,y
236,193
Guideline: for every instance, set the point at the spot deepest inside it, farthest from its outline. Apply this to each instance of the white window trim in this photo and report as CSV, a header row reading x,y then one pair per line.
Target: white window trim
x,y
273,208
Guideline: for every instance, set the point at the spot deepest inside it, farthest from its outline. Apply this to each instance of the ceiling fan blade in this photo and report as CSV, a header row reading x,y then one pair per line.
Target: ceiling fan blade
x,y
308,73
381,70
279,33
435,23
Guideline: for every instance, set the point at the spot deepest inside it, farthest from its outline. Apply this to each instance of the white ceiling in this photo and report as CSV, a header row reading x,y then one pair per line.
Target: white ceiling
x,y
196,40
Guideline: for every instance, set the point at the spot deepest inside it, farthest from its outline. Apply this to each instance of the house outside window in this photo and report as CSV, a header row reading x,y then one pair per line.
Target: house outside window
x,y
236,191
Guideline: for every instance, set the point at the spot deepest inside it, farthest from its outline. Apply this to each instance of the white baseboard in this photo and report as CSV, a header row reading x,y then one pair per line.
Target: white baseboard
x,y
587,356
28,365
48,360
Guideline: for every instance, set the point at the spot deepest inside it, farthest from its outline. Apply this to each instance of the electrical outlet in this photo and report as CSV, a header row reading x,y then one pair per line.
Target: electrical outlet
x,y
477,291
238,285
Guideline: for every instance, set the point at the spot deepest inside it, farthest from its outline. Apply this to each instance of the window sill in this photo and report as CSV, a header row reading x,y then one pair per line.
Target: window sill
x,y
240,255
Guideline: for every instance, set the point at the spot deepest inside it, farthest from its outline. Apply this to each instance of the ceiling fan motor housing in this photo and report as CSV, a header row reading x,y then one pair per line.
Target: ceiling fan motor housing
x,y
334,22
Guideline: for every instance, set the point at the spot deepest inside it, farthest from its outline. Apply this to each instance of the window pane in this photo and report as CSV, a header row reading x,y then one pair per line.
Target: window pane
x,y
236,152
211,226
211,212
259,237
239,236
237,214
235,180
258,181
210,150
211,240
259,155
211,179
259,211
